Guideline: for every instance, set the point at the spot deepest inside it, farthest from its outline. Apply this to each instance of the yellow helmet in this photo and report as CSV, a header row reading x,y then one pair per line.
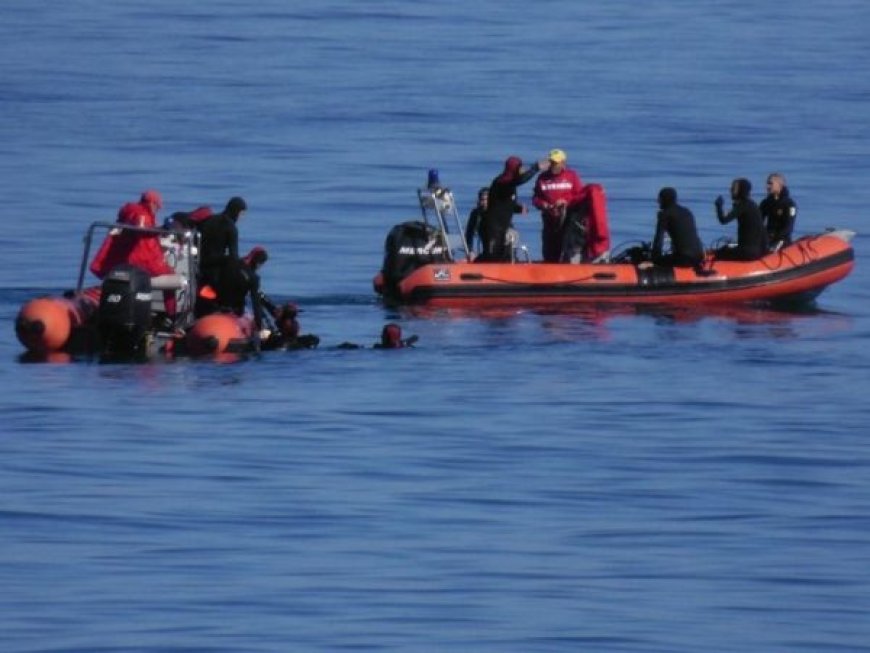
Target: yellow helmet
x,y
558,156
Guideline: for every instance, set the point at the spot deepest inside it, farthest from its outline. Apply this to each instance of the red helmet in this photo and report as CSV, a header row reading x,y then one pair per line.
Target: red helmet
x,y
152,197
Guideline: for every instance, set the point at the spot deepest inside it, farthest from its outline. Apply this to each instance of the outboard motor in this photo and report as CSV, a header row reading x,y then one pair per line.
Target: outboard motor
x,y
411,245
125,309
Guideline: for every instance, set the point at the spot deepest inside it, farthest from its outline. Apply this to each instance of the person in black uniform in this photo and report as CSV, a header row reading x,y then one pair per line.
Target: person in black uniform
x,y
474,226
239,279
751,235
502,207
219,243
679,224
778,211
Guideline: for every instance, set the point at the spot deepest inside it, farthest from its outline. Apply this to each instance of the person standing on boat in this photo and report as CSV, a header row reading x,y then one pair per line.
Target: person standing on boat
x,y
751,235
220,241
778,211
678,223
474,226
503,205
559,196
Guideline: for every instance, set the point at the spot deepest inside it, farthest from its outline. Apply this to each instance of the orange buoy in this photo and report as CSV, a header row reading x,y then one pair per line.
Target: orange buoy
x,y
48,324
44,324
213,334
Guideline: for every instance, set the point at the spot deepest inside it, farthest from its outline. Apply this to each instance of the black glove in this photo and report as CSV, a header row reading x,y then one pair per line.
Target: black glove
x,y
719,202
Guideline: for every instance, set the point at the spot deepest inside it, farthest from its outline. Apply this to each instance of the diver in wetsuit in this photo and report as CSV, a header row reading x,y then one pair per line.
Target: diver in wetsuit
x,y
391,338
474,226
751,235
220,240
503,205
679,224
238,279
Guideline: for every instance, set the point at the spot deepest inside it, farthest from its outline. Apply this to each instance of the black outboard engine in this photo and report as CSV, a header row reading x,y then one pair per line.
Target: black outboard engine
x,y
411,245
125,309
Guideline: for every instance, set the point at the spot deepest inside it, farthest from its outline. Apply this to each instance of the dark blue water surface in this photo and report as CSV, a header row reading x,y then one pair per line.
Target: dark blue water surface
x,y
529,481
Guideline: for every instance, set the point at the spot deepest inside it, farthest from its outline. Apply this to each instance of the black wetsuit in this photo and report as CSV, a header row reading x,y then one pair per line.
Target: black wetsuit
x,y
474,227
751,235
497,220
219,245
679,224
236,281
779,214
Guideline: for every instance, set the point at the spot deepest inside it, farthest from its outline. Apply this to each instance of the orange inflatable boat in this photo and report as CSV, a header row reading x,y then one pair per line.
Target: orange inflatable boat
x,y
426,263
126,315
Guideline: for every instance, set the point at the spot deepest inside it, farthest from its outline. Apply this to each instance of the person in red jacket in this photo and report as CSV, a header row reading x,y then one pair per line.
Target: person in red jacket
x,y
136,248
558,194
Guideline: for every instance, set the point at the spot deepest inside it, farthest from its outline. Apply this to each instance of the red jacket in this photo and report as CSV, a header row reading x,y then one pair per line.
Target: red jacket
x,y
550,188
139,249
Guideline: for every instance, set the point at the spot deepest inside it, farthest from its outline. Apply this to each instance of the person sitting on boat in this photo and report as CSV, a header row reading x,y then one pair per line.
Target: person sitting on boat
x,y
503,205
474,226
220,241
678,223
559,195
751,235
778,211
136,248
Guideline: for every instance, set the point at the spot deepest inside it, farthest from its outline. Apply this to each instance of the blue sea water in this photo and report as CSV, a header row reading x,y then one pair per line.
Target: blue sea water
x,y
591,481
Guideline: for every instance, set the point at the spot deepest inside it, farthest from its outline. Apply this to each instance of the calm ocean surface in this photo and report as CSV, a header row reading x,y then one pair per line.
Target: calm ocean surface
x,y
529,482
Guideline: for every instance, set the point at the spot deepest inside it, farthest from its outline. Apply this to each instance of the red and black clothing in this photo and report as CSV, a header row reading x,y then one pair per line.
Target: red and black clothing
x,y
503,205
551,188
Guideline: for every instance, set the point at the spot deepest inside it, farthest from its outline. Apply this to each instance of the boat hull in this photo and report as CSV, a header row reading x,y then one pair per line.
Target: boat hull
x,y
796,273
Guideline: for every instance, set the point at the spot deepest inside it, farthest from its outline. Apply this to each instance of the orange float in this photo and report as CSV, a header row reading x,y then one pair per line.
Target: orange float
x,y
217,334
47,324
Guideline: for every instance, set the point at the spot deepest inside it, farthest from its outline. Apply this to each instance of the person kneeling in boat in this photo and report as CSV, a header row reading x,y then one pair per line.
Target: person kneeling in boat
x,y
751,235
678,223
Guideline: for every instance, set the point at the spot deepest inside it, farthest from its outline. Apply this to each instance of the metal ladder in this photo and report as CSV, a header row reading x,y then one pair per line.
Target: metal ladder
x,y
439,210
